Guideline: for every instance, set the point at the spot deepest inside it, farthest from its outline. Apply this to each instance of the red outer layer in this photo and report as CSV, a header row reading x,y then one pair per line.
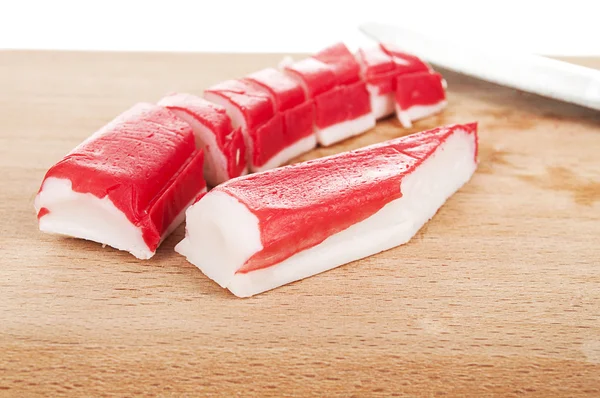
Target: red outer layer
x,y
285,91
331,108
350,99
267,140
214,117
145,161
256,106
43,211
297,112
358,101
419,89
332,80
346,69
405,63
317,76
298,122
379,69
375,62
342,103
300,206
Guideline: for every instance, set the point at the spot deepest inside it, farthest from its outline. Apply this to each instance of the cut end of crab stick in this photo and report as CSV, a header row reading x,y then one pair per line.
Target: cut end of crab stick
x,y
419,95
223,146
265,230
128,185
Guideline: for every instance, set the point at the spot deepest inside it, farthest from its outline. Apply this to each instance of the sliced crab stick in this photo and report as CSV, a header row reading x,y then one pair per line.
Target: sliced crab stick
x,y
354,95
380,66
331,78
128,185
419,95
379,72
264,230
223,146
253,111
294,107
405,63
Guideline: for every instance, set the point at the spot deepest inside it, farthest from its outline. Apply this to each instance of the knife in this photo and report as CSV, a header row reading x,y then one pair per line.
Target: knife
x,y
535,74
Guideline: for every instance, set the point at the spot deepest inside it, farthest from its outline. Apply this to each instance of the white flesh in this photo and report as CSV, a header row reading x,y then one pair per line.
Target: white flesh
x,y
297,148
222,233
340,131
416,112
85,216
382,105
180,218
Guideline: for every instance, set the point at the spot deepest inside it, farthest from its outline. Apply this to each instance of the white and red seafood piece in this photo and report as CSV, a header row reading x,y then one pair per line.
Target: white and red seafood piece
x,y
419,95
380,66
332,79
405,63
294,107
253,111
223,146
127,185
379,72
264,230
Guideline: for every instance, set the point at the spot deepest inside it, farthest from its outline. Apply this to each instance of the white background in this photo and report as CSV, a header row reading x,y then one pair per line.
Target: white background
x,y
545,27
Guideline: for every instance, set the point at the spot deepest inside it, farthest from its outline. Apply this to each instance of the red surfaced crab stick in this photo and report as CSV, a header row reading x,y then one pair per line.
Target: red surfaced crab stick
x,y
261,231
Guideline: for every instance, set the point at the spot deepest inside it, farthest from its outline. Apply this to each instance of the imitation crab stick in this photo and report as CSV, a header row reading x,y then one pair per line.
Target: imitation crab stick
x,y
253,111
261,231
223,146
419,95
379,72
128,185
296,110
331,78
380,67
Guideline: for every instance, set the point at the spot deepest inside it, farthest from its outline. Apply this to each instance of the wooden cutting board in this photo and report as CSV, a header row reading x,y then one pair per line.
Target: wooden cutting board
x,y
498,295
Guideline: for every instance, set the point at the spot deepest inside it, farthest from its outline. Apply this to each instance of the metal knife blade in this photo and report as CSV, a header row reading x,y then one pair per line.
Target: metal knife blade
x,y
536,74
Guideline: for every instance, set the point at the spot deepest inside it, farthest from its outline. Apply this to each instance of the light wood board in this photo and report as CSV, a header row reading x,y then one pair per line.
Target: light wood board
x,y
498,295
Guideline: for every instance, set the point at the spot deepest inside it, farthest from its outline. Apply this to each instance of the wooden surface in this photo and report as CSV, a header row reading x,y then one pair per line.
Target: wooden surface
x,y
498,295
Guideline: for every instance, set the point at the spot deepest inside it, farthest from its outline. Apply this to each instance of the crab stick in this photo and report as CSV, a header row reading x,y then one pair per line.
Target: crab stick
x,y
331,78
294,107
380,66
405,63
379,72
254,112
419,95
223,146
265,230
126,186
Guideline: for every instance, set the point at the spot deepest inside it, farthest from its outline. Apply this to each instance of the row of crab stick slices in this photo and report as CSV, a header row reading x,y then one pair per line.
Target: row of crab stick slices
x,y
129,184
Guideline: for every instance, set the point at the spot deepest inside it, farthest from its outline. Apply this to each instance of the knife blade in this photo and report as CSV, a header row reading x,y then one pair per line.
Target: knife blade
x,y
531,73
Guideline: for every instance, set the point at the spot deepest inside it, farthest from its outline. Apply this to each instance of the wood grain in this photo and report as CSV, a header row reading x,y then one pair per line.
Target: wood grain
x,y
499,295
